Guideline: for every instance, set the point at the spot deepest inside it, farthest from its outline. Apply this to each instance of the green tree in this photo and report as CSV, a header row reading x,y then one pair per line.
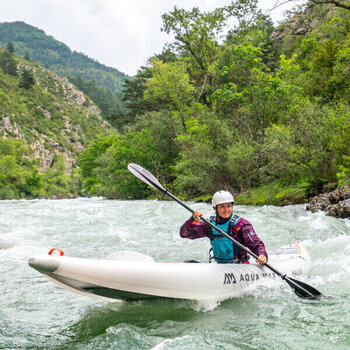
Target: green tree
x,y
27,79
27,56
264,96
19,176
8,63
170,87
109,156
88,158
197,38
134,88
10,47
304,149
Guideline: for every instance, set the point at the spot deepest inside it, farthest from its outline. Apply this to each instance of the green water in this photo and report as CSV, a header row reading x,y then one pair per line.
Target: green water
x,y
36,314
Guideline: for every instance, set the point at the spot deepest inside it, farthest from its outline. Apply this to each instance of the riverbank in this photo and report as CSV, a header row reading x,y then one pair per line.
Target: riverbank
x,y
334,203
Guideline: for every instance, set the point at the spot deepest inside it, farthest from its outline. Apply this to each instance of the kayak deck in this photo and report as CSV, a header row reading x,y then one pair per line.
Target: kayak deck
x,y
142,278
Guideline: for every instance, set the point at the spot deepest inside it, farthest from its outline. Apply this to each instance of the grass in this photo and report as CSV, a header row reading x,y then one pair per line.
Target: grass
x,y
273,194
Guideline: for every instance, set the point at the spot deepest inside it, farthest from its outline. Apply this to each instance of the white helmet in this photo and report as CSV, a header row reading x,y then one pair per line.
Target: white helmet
x,y
222,197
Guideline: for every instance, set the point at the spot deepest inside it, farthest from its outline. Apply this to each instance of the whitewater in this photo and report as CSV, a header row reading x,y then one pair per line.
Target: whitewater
x,y
36,314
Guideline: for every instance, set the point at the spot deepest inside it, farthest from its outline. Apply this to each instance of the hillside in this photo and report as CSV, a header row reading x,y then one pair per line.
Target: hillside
x,y
52,117
57,56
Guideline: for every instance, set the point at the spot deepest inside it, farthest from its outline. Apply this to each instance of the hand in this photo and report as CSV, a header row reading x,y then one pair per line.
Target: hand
x,y
261,259
196,215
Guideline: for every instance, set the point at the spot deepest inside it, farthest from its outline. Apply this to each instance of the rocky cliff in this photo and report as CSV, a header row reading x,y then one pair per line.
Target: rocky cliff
x,y
52,116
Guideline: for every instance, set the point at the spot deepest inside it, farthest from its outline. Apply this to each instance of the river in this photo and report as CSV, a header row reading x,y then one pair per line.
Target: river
x,y
37,314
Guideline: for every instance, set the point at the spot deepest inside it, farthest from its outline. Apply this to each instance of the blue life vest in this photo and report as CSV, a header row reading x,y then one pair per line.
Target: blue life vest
x,y
224,250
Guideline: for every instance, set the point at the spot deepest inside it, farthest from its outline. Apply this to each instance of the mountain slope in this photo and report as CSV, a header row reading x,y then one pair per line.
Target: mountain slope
x,y
52,116
57,56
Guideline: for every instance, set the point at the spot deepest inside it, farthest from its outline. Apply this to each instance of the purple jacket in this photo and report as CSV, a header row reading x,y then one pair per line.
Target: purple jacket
x,y
242,231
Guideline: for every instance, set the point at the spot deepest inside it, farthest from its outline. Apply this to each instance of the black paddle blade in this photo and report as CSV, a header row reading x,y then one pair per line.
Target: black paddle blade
x,y
145,176
302,289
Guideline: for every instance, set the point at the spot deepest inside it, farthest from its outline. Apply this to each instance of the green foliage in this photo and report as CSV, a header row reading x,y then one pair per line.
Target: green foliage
x,y
56,56
103,84
27,79
344,173
48,116
20,177
169,87
202,162
274,194
251,84
107,102
304,149
56,183
18,174
196,38
8,63
106,160
267,119
242,163
267,127
10,47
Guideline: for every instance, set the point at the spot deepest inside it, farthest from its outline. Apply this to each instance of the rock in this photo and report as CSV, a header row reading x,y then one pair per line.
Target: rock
x,y
317,203
335,203
343,209
335,197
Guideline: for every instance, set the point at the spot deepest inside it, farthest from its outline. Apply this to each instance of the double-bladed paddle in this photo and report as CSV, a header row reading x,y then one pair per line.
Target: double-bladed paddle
x,y
301,289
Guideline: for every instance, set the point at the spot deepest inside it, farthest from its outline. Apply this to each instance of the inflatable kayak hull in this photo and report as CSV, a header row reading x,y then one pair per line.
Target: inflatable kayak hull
x,y
133,276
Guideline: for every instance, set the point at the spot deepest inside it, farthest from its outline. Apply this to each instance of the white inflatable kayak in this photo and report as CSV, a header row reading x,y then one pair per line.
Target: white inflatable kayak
x,y
131,275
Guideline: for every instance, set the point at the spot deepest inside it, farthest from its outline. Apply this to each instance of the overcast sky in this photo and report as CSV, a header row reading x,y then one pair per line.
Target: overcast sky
x,y
119,33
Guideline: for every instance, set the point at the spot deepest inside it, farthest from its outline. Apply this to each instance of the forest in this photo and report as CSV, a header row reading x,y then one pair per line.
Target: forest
x,y
260,111
235,103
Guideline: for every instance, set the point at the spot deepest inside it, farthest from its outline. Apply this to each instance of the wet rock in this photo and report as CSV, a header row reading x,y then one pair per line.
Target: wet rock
x,y
343,209
335,203
320,202
335,197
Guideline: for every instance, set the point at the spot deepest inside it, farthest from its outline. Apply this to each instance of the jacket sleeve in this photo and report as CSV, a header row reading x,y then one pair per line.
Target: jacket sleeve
x,y
251,240
193,230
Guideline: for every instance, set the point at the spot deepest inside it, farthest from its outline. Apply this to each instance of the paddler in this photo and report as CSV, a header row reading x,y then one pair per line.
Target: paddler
x,y
224,250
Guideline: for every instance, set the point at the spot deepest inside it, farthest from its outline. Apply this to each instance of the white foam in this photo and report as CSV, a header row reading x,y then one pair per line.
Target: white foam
x,y
167,342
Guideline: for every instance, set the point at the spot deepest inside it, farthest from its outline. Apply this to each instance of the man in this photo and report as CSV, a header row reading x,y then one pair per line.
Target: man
x,y
224,250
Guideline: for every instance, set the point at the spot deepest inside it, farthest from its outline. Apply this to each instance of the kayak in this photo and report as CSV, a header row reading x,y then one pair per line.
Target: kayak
x,y
132,276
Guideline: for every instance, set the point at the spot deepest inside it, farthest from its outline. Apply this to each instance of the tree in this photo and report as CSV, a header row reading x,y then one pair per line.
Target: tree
x,y
170,86
134,88
27,56
197,37
8,63
10,47
27,79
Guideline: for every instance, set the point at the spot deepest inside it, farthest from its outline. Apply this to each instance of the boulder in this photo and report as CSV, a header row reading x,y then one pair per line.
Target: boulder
x,y
335,203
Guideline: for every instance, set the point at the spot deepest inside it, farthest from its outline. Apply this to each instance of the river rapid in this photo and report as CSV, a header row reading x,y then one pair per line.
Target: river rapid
x,y
37,314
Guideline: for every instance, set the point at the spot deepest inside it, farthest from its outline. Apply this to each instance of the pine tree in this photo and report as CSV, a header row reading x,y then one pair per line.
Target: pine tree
x,y
8,63
27,56
27,79
10,47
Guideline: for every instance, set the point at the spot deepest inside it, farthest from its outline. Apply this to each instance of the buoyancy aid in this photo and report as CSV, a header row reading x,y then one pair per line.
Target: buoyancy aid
x,y
224,250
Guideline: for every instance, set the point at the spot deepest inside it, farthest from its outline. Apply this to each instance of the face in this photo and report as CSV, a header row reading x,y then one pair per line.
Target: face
x,y
224,210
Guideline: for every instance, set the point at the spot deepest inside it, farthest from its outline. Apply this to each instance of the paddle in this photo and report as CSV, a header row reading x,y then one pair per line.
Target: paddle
x,y
301,289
